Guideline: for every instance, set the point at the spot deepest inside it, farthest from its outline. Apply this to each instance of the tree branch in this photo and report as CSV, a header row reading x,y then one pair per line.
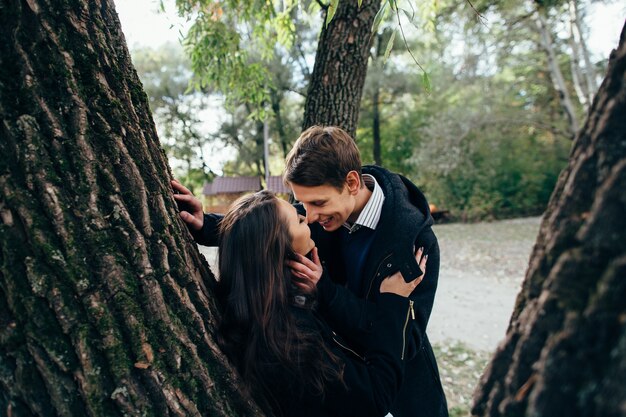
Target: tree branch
x,y
322,5
406,44
480,17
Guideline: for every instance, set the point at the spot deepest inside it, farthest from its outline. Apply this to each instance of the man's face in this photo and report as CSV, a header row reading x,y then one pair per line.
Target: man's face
x,y
325,204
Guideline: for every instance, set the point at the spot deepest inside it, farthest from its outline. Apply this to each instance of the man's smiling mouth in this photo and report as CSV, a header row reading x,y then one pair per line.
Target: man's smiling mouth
x,y
325,222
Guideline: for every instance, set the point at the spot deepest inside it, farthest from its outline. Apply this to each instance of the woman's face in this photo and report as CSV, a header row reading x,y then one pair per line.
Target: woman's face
x,y
298,228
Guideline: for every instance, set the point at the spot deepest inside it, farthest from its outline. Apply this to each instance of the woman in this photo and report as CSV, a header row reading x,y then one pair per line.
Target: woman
x,y
291,362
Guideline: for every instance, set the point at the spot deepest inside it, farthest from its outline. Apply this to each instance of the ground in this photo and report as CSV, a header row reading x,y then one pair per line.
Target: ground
x,y
482,268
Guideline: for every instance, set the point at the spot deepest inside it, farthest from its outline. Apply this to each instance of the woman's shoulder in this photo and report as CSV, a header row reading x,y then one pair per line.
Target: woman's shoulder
x,y
309,320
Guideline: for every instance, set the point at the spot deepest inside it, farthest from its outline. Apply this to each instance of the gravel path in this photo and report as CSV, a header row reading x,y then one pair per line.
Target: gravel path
x,y
482,268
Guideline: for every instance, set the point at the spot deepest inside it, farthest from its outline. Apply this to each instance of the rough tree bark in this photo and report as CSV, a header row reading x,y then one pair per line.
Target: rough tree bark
x,y
105,304
565,350
336,86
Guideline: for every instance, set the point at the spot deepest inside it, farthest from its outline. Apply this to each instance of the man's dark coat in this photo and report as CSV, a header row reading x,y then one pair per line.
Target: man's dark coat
x,y
404,226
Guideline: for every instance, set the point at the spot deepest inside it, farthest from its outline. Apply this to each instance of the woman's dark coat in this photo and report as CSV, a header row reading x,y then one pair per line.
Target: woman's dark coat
x,y
370,382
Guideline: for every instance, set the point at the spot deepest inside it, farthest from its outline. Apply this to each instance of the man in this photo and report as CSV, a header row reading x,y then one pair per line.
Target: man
x,y
367,223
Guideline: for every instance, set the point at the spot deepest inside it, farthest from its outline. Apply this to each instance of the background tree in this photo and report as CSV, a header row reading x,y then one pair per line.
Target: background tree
x,y
106,307
486,143
225,33
336,86
244,133
385,84
564,350
166,74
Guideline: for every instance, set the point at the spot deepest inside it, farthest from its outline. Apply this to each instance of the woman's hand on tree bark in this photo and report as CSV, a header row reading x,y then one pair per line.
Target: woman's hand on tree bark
x,y
190,207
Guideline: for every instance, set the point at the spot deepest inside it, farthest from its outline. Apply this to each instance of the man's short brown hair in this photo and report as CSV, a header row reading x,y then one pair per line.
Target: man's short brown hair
x,y
322,155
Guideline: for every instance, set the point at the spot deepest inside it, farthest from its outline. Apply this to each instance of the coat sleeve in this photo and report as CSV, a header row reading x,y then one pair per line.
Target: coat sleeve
x,y
209,234
370,386
346,313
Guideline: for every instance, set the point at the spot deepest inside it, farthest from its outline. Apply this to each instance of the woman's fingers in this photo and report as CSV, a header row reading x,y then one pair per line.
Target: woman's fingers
x,y
303,281
307,262
316,257
421,260
189,200
304,285
191,221
423,264
304,268
299,274
300,268
418,280
185,198
395,283
179,187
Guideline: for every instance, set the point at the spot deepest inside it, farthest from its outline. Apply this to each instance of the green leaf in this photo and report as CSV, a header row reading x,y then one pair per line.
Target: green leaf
x,y
330,12
410,17
360,3
312,7
426,82
380,16
389,45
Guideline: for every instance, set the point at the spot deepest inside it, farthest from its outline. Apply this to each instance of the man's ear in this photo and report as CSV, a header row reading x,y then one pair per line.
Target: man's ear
x,y
353,182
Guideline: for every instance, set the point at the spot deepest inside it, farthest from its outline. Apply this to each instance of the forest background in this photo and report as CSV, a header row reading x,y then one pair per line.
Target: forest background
x,y
478,105
106,306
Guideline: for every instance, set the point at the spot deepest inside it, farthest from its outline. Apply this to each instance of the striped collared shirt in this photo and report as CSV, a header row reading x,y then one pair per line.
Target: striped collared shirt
x,y
371,212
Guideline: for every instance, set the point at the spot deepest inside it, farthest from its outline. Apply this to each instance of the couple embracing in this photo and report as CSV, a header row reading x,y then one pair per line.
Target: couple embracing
x,y
325,303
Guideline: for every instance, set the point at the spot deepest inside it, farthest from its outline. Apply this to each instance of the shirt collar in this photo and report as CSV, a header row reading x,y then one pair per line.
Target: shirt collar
x,y
370,215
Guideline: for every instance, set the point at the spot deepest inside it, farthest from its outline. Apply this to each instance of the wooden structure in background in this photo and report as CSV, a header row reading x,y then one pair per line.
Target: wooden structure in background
x,y
219,194
276,185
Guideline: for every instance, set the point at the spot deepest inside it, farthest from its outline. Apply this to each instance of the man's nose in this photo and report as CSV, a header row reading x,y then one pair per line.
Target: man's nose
x,y
311,215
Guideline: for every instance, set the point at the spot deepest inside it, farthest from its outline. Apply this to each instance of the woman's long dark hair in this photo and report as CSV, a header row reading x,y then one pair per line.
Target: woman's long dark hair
x,y
258,327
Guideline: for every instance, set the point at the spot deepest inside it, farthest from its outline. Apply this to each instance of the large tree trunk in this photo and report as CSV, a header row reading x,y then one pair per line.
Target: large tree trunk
x,y
336,85
565,349
105,304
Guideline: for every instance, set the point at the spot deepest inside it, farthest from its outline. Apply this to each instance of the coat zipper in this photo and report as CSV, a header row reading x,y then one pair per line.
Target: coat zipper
x,y
347,348
409,313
